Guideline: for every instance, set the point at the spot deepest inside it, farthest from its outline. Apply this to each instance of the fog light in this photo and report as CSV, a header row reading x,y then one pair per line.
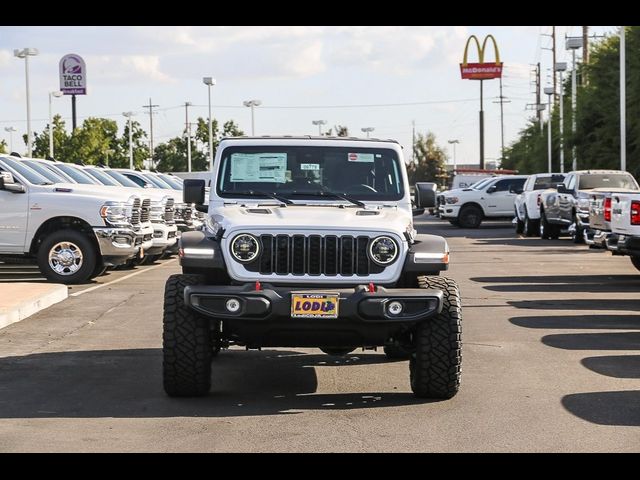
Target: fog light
x,y
394,308
233,305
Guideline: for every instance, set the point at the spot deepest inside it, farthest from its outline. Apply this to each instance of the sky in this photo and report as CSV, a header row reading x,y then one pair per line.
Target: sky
x,y
385,77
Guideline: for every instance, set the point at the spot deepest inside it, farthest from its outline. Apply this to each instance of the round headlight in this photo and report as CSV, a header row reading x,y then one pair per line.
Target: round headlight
x,y
383,250
245,247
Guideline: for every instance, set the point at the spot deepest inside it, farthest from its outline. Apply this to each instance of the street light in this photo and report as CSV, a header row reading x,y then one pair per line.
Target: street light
x,y
188,133
549,93
319,123
454,143
10,130
129,115
561,67
26,53
108,152
367,130
252,104
573,44
56,94
209,82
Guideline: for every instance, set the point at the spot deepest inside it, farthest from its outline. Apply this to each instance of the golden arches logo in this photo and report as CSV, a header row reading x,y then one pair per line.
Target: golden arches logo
x,y
481,70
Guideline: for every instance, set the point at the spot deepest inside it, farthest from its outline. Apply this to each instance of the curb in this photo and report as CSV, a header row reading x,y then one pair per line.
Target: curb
x,y
21,300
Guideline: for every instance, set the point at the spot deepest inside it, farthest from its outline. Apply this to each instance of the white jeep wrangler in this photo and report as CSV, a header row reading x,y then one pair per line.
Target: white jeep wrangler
x,y
309,242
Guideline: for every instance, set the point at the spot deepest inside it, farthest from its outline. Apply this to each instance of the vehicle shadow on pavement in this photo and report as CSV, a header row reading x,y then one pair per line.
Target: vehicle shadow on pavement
x,y
128,384
594,341
563,283
621,408
625,322
578,304
617,366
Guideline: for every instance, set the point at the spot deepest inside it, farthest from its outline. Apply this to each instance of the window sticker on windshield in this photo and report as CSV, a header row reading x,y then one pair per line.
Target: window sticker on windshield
x,y
258,167
361,157
309,166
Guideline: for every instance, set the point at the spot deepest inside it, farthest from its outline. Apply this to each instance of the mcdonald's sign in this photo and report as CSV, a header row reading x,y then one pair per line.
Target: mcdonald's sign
x,y
481,70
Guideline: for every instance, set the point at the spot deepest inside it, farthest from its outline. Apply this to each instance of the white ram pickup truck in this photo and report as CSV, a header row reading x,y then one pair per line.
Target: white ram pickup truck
x,y
71,231
625,226
527,203
488,199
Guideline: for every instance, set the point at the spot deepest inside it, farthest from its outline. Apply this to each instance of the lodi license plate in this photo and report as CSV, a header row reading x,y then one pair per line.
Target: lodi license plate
x,y
314,305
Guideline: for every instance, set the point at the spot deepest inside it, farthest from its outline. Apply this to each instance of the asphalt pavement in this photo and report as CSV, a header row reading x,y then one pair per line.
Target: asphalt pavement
x,y
551,362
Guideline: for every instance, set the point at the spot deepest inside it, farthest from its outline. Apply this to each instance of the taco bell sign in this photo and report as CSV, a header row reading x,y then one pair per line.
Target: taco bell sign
x,y
73,75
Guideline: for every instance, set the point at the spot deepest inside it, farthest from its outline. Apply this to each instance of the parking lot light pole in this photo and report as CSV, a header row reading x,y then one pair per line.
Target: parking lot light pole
x,y
549,92
367,130
454,143
129,115
319,123
252,104
561,67
573,44
209,82
56,94
26,53
10,130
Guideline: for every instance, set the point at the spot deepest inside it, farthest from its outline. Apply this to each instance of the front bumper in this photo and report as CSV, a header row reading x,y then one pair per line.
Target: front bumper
x,y
164,236
264,317
144,237
449,211
116,245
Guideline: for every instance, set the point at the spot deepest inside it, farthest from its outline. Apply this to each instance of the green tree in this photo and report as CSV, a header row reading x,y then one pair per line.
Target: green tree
x,y
140,148
61,141
3,147
430,161
92,142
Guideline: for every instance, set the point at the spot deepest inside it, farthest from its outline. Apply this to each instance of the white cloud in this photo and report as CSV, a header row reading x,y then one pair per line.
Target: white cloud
x,y
146,66
5,57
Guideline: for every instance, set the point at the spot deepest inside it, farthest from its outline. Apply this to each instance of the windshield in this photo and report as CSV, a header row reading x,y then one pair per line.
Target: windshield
x,y
603,180
45,172
78,175
102,177
173,181
481,183
362,173
157,181
29,175
121,179
551,181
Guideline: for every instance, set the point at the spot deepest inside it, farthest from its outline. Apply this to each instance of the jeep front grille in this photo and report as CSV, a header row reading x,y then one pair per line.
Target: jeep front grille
x,y
314,255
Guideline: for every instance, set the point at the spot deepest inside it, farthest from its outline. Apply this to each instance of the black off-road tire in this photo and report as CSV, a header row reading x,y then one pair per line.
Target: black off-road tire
x,y
530,227
546,229
337,351
435,367
470,216
519,224
636,262
187,346
89,256
396,352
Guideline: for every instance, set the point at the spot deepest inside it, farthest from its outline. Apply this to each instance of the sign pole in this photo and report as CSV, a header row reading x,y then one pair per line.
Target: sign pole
x,y
73,112
481,128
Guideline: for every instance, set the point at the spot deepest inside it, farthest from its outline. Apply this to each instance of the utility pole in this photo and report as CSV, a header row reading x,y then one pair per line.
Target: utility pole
x,y
481,127
502,100
188,134
413,141
585,48
150,107
549,92
538,111
623,103
561,67
553,48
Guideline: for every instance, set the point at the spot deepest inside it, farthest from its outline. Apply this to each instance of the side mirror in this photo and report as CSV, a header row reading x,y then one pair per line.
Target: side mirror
x,y
8,183
193,191
492,189
425,195
562,188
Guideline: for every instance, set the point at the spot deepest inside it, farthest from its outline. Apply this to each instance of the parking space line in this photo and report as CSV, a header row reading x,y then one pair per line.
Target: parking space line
x,y
91,289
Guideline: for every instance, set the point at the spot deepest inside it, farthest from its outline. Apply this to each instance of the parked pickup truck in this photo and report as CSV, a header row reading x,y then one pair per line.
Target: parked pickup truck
x,y
625,226
71,231
527,203
492,198
568,205
599,233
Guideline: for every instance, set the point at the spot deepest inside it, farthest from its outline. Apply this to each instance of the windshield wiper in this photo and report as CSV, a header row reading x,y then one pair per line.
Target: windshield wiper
x,y
327,193
275,196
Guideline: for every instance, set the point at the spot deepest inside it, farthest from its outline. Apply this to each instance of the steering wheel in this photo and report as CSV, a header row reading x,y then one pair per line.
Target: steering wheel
x,y
360,187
